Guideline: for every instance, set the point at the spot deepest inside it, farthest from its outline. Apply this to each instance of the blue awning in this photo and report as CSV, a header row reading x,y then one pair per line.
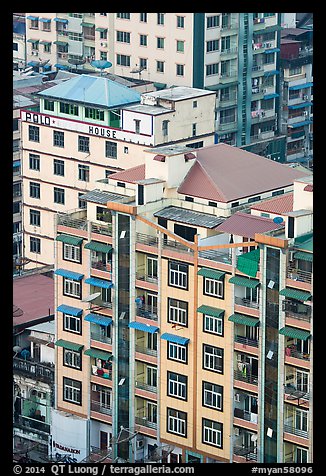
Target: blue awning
x,y
272,50
299,106
33,63
69,274
61,20
301,86
272,72
143,327
100,283
72,311
300,124
30,17
271,96
45,20
60,66
97,319
176,339
16,163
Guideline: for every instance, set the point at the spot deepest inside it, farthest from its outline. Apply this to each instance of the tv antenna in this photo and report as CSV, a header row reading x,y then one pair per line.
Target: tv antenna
x,y
17,312
138,69
101,65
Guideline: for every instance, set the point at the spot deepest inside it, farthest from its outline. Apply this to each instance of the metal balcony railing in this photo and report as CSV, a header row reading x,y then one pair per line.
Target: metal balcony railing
x,y
100,337
145,277
246,302
149,312
66,219
215,255
34,369
245,415
291,351
101,265
101,408
295,392
145,386
291,310
31,424
145,350
147,239
298,274
246,377
229,51
145,422
289,428
176,245
101,229
244,340
247,452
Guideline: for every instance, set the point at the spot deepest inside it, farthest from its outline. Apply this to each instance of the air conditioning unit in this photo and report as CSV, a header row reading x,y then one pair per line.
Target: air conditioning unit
x,y
236,431
94,387
237,397
104,44
139,444
305,113
35,53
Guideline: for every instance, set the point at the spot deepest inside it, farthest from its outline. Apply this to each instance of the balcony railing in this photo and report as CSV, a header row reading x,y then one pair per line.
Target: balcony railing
x,y
245,415
100,337
295,392
99,407
246,377
102,229
145,422
292,311
145,386
147,239
295,431
34,369
244,340
99,303
99,372
101,265
145,350
229,51
176,245
246,302
66,219
291,351
257,67
31,424
215,255
248,453
298,274
145,277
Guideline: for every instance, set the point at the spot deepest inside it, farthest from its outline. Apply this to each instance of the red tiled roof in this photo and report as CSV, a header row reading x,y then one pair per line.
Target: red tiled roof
x,y
309,188
34,295
130,175
225,173
243,224
279,205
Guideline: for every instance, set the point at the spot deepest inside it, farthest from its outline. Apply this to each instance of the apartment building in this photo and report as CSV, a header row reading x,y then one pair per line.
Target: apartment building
x,y
297,97
178,309
19,41
88,128
234,54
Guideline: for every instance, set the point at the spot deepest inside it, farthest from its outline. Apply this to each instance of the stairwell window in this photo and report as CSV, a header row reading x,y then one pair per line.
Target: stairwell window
x,y
165,127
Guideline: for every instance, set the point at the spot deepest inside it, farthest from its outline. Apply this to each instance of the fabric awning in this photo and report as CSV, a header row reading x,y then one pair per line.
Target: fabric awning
x,y
271,96
211,273
295,294
16,163
241,281
304,256
60,43
245,320
44,42
61,20
98,354
272,50
30,40
97,246
299,106
300,86
101,29
300,124
294,333
60,66
248,263
72,311
210,311
68,274
45,20
176,339
100,283
69,239
87,25
97,319
143,327
30,17
69,345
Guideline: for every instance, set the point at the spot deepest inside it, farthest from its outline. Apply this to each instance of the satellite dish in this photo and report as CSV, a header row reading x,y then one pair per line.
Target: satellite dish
x,y
278,220
91,297
43,63
17,349
17,311
101,64
137,69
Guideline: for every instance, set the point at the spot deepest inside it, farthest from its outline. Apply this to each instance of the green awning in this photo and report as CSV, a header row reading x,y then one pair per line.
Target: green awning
x,y
44,42
98,354
160,85
96,246
245,320
69,345
101,29
295,294
87,25
60,43
294,333
70,240
30,40
241,281
211,273
216,87
211,311
304,256
248,263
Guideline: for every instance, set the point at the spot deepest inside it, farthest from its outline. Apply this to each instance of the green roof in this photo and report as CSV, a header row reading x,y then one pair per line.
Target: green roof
x,y
295,333
211,273
248,263
295,294
98,354
304,256
246,320
69,345
211,311
70,240
304,242
241,281
96,246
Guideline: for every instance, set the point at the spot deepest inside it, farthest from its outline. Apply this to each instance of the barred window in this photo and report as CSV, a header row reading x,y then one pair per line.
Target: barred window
x,y
111,149
213,287
58,139
177,385
71,253
176,422
71,288
72,359
177,352
212,433
72,324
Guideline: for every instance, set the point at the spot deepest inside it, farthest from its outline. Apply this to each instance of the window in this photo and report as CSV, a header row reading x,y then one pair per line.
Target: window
x,y
225,43
151,376
83,144
67,108
196,145
103,14
34,190
137,126
34,24
34,162
234,204
59,195
123,36
34,133
75,36
71,253
17,189
194,129
213,358
143,63
72,359
34,218
178,312
16,207
212,204
213,287
211,69
71,288
143,40
160,18
269,59
160,66
35,245
165,127
180,22
177,352
301,455
178,274
58,139
58,167
213,22
254,199
124,16
212,45
277,192
47,48
15,124
212,433
83,173
295,70
104,34
213,396
15,46
160,43
176,422
180,70
189,199
152,267
103,55
143,17
111,149
96,114
123,60
195,104
72,391
81,203
177,385
213,324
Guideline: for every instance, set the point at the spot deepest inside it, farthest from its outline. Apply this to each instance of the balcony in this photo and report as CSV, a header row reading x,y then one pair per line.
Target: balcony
x,y
245,341
31,424
145,350
98,336
35,370
298,274
145,386
146,311
293,392
249,453
176,245
245,415
100,372
147,239
291,351
229,51
216,255
290,428
102,229
247,377
296,310
100,408
73,220
101,265
246,302
143,421
147,278
228,76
